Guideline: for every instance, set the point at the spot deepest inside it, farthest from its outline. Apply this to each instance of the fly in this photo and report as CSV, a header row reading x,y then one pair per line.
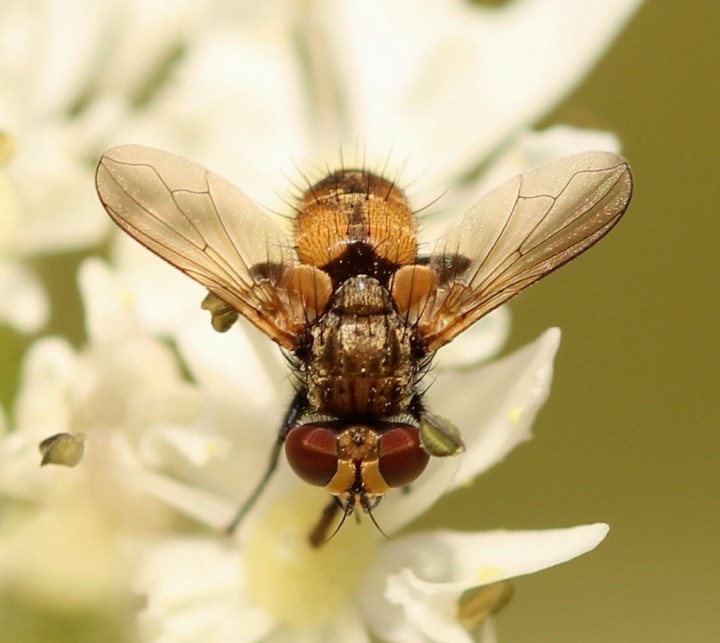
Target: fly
x,y
349,298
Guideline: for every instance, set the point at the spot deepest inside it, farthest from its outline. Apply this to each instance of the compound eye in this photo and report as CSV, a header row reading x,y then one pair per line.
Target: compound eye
x,y
312,453
401,457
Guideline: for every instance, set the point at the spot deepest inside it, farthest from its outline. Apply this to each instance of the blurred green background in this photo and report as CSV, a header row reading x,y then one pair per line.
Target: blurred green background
x,y
631,433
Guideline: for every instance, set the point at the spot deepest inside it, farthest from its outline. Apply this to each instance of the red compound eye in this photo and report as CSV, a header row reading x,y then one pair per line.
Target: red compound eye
x,y
311,451
402,459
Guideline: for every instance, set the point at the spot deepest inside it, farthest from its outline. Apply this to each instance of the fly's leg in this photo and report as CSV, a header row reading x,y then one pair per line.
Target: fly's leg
x,y
319,534
297,406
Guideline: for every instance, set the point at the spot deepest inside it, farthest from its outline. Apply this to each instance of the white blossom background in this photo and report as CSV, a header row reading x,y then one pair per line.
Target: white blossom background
x,y
631,433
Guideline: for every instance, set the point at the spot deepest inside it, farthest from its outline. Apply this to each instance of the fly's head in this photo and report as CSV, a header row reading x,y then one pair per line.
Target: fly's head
x,y
357,463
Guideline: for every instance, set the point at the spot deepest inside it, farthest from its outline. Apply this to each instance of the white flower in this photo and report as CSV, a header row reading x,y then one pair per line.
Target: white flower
x,y
201,447
117,390
271,585
435,90
67,77
61,533
439,91
70,70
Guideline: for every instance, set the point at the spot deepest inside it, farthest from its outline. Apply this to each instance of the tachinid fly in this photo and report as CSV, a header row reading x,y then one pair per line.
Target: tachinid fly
x,y
349,298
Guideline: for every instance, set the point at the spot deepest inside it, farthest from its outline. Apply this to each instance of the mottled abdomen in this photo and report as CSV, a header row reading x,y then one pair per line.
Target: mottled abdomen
x,y
361,363
352,207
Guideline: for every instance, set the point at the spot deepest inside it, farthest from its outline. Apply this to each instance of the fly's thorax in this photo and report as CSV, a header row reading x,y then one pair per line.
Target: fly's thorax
x,y
353,208
360,363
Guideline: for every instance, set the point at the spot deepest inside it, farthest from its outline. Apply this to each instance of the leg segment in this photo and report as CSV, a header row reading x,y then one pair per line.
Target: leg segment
x,y
297,406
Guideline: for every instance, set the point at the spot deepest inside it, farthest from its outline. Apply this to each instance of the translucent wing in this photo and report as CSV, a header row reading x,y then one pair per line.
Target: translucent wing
x,y
517,234
207,228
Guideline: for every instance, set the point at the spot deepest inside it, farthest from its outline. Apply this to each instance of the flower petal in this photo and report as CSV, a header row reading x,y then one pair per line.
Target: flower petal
x,y
108,302
23,302
495,405
55,45
54,183
400,507
163,297
149,38
478,343
67,543
242,361
233,86
531,148
449,84
165,442
473,559
184,605
187,498
40,411
41,407
424,575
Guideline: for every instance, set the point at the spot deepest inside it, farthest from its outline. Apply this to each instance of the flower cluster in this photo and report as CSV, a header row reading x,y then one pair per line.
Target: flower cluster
x,y
175,422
